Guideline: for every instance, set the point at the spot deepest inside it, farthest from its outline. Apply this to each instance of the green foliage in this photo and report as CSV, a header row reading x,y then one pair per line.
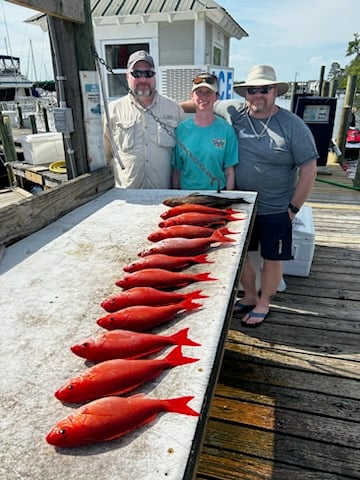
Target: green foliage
x,y
353,68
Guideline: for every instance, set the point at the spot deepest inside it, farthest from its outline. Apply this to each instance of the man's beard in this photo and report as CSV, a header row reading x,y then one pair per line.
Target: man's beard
x,y
144,91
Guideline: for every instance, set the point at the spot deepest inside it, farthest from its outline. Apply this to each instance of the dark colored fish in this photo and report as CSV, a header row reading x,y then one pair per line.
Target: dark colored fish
x,y
209,200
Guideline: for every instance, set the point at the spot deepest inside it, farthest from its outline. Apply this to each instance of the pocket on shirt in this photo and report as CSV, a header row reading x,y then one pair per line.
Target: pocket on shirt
x,y
124,135
164,139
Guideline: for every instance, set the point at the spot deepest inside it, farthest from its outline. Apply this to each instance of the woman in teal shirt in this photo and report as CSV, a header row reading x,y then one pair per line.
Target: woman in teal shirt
x,y
207,151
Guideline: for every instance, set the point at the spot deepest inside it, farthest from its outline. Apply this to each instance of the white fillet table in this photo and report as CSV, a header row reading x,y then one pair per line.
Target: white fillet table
x,y
52,284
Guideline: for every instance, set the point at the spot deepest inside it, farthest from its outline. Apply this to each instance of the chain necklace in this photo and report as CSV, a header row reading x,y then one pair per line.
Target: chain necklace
x,y
265,126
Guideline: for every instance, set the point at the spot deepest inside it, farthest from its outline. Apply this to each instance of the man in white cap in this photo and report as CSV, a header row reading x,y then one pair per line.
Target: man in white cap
x,y
143,143
211,141
277,159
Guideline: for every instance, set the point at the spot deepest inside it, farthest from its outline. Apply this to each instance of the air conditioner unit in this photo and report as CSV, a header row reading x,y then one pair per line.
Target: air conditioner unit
x,y
175,81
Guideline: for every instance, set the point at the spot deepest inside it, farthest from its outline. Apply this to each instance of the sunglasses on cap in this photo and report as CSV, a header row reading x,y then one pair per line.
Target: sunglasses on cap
x,y
264,90
142,73
205,78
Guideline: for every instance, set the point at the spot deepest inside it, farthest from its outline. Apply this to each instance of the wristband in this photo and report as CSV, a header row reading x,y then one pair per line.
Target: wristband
x,y
293,208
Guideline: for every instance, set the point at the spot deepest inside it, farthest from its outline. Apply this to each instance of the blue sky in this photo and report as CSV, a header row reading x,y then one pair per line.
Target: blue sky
x,y
297,38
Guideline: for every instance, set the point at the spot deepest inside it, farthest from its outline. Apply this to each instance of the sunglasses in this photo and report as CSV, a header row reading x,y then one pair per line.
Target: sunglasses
x,y
206,78
264,90
142,73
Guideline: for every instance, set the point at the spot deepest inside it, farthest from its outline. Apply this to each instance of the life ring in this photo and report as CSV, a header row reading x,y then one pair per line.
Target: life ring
x,y
58,167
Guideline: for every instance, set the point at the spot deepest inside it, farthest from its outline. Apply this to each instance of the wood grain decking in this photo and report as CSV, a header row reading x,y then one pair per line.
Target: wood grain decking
x,y
287,404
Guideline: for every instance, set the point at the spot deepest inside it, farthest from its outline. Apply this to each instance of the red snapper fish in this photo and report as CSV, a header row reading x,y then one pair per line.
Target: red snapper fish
x,y
195,207
168,262
127,344
112,417
118,376
195,218
185,231
185,246
140,318
147,296
160,278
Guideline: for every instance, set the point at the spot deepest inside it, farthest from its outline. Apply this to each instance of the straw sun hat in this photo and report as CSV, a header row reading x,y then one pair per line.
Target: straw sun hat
x,y
258,76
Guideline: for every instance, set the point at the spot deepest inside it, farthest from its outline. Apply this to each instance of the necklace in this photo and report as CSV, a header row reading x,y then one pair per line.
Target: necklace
x,y
263,131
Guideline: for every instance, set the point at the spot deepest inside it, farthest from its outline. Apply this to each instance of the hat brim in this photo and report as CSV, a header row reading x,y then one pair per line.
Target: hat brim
x,y
209,86
240,88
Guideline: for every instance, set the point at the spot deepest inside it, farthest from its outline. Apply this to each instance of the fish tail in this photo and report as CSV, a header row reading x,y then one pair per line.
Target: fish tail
x,y
180,405
188,304
196,294
217,236
231,218
226,231
201,259
181,338
203,277
231,211
175,357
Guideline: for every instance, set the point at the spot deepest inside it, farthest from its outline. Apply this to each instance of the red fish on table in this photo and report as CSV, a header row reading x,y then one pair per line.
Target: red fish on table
x,y
195,207
147,296
141,318
118,376
161,278
168,262
195,218
185,246
112,417
185,231
128,344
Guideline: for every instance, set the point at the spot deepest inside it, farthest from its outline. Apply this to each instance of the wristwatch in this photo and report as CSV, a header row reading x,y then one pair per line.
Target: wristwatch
x,y
293,208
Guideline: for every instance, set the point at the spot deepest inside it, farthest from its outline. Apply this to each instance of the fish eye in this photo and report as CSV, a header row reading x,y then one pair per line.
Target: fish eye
x,y
70,387
85,344
62,431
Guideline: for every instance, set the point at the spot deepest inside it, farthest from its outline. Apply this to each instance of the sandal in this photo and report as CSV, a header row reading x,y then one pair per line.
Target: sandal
x,y
241,308
261,316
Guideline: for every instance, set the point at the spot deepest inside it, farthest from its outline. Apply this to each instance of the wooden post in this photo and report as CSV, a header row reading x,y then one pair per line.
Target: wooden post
x,y
7,139
346,115
321,80
333,87
78,39
33,124
292,98
46,121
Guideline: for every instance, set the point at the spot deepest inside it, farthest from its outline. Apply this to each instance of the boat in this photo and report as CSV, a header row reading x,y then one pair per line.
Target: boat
x,y
14,86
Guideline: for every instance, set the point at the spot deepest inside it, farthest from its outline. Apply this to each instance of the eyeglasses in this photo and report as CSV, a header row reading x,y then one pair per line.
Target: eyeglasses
x,y
142,73
205,78
264,90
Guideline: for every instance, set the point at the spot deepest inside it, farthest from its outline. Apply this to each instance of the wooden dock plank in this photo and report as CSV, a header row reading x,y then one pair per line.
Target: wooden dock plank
x,y
287,404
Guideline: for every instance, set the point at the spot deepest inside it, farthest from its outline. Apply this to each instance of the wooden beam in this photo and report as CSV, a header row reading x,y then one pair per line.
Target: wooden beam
x,y
71,11
20,219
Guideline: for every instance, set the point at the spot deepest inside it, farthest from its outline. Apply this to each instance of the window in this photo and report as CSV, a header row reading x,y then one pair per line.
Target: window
x,y
116,57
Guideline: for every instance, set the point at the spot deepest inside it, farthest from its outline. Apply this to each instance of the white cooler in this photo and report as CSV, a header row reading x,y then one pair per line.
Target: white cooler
x,y
303,244
40,148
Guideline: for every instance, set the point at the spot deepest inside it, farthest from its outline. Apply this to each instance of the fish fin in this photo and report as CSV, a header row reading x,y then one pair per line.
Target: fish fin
x,y
203,277
188,304
181,338
217,236
231,218
226,231
201,259
179,405
196,294
175,357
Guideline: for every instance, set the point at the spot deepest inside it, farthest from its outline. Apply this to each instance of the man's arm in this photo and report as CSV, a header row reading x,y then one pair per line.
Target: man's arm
x,y
307,175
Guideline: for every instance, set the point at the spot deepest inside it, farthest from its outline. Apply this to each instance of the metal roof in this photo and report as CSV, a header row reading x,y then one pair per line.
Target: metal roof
x,y
144,11
133,11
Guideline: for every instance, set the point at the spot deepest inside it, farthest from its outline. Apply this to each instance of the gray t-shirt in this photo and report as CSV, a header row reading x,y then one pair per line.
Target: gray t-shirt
x,y
269,164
